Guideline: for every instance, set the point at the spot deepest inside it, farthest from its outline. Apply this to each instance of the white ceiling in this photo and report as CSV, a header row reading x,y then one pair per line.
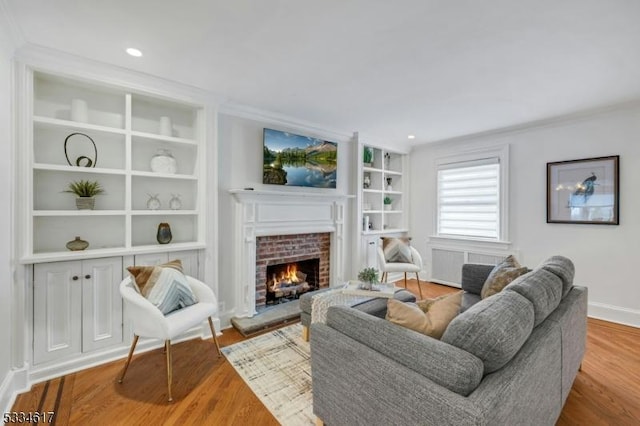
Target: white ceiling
x,y
437,69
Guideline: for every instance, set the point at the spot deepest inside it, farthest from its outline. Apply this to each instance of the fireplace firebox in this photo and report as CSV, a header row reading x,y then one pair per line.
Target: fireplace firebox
x,y
287,281
311,255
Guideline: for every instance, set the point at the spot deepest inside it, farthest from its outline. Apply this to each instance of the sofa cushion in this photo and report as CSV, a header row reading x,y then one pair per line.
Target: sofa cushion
x,y
501,275
432,321
542,288
563,268
493,329
468,300
448,366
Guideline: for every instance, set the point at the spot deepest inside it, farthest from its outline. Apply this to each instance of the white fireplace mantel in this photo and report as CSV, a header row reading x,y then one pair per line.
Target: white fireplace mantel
x,y
261,212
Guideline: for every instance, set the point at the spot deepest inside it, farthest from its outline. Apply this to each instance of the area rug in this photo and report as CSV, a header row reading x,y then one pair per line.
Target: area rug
x,y
277,368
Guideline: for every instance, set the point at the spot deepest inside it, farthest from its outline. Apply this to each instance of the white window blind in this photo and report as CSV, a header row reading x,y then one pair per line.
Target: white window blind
x,y
469,199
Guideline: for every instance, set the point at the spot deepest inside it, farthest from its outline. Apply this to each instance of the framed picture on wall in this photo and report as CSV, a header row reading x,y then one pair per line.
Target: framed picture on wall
x,y
584,191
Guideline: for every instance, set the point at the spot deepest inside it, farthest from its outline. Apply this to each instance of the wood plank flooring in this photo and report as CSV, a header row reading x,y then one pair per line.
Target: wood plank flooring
x,y
207,390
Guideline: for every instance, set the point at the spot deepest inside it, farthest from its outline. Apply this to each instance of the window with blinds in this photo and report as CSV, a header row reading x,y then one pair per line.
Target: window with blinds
x,y
469,199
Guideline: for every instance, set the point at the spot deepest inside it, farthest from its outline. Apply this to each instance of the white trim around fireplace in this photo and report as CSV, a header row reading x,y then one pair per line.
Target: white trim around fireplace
x,y
260,213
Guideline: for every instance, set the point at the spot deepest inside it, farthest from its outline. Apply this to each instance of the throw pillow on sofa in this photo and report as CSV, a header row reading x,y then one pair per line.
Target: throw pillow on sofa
x,y
432,322
165,286
501,275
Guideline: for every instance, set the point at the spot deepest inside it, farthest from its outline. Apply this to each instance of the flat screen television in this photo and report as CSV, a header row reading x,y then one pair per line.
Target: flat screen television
x,y
295,160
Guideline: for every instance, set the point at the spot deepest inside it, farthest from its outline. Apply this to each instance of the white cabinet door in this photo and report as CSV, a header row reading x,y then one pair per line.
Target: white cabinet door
x,y
190,260
57,296
151,259
101,303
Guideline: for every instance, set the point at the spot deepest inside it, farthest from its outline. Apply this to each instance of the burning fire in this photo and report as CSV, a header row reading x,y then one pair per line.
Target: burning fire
x,y
289,276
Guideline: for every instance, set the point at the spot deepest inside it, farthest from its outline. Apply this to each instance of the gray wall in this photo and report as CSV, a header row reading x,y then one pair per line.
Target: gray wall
x,y
6,190
604,256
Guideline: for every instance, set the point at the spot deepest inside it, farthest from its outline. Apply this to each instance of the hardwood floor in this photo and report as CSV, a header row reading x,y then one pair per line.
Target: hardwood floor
x,y
207,390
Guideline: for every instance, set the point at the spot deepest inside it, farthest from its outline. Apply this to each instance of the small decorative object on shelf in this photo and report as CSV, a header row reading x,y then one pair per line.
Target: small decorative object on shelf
x,y
365,224
389,187
387,160
366,181
82,160
388,203
368,277
79,111
367,158
163,162
77,244
86,191
164,233
153,203
175,203
165,126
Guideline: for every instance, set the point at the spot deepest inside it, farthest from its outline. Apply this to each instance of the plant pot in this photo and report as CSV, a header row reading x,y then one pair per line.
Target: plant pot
x,y
388,207
85,203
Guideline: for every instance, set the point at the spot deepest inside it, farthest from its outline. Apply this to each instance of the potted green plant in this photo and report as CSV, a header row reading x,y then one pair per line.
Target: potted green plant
x,y
387,203
367,156
368,277
85,190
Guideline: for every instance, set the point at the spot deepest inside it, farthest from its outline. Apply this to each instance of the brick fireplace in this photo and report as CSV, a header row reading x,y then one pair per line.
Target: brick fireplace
x,y
293,249
310,225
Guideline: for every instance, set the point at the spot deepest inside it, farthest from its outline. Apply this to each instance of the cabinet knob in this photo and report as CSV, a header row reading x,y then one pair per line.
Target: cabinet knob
x,y
372,243
75,278
87,276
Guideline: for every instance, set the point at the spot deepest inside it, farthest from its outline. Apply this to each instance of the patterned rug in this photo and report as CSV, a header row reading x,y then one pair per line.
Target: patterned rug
x,y
277,368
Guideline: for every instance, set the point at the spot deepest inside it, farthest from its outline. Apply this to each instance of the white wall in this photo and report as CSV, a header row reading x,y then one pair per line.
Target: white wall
x,y
604,256
240,166
6,182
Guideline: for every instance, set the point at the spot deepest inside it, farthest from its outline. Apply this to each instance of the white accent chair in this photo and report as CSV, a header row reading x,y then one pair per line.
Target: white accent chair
x,y
148,321
387,267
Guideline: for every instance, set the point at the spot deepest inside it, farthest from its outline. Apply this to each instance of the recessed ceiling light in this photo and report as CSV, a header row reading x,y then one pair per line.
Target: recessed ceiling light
x,y
134,52
411,136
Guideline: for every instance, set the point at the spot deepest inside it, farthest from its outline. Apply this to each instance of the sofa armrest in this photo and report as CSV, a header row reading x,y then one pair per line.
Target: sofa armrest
x,y
446,365
474,275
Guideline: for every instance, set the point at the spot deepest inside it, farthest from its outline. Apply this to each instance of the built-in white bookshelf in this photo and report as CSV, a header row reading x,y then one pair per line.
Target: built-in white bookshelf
x,y
128,129
382,173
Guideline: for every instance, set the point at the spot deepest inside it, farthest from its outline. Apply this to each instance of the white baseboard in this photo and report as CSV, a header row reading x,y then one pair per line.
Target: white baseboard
x,y
615,314
14,383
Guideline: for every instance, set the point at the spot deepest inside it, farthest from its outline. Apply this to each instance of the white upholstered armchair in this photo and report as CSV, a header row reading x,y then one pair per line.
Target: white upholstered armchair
x,y
148,321
415,266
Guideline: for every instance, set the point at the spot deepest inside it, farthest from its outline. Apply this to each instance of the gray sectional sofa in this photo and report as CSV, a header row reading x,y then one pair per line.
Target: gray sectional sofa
x,y
508,359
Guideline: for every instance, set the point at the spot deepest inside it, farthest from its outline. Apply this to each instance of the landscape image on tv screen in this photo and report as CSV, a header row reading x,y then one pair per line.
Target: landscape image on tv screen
x,y
295,160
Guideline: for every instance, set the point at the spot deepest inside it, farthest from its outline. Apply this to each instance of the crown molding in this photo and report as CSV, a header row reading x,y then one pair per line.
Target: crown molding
x,y
49,60
285,121
537,124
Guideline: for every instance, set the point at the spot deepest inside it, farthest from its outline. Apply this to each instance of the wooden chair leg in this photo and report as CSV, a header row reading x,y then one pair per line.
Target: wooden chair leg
x,y
384,277
126,365
419,288
167,345
305,333
405,280
319,422
215,338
